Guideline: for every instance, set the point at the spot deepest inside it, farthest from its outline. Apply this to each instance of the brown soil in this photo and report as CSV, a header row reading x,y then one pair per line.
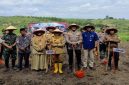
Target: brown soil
x,y
97,77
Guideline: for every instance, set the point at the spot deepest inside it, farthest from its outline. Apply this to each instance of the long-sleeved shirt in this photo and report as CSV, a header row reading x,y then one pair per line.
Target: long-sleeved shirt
x,y
89,39
24,43
74,38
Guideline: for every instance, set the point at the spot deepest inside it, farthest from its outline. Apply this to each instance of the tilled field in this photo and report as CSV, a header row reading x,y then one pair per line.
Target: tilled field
x,y
97,77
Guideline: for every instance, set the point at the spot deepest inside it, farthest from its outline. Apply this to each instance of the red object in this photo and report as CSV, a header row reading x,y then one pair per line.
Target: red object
x,y
80,74
104,61
1,62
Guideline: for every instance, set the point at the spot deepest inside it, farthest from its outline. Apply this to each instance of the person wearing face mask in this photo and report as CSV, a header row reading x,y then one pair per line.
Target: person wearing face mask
x,y
112,41
39,59
89,40
74,41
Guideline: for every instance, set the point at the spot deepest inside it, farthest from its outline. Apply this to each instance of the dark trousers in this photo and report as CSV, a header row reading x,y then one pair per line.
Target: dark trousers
x,y
26,59
102,50
7,55
77,55
116,59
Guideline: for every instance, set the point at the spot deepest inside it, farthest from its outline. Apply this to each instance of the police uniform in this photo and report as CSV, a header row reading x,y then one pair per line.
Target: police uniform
x,y
74,37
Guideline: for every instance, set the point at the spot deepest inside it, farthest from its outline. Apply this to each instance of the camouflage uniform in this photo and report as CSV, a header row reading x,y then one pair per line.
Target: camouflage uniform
x,y
9,39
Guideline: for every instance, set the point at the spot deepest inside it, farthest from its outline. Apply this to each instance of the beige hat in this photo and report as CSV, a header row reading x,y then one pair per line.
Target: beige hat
x,y
38,30
11,28
73,25
57,31
111,29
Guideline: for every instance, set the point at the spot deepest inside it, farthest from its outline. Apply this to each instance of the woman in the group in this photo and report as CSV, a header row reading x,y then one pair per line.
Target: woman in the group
x,y
39,61
58,43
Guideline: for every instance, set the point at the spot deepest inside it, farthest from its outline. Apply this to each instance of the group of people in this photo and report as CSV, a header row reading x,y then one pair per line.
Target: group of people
x,y
35,47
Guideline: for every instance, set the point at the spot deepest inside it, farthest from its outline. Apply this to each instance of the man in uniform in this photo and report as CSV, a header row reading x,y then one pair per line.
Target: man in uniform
x,y
112,41
74,41
10,47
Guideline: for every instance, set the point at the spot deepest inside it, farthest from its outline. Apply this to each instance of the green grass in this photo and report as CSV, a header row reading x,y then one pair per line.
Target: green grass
x,y
20,21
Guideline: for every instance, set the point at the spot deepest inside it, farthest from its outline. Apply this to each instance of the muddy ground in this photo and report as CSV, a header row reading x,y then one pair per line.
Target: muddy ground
x,y
97,77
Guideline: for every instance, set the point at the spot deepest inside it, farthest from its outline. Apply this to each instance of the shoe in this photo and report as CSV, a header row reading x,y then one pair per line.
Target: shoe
x,y
60,68
14,68
109,68
56,68
70,69
92,68
84,68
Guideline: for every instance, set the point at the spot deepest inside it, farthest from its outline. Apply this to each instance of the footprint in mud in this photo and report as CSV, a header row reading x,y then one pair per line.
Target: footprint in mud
x,y
82,83
126,63
2,82
107,83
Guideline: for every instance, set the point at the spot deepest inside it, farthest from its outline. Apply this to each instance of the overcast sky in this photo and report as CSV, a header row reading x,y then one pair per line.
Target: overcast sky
x,y
66,8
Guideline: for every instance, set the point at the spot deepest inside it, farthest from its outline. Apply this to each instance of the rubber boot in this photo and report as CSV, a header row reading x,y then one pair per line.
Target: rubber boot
x,y
60,68
56,68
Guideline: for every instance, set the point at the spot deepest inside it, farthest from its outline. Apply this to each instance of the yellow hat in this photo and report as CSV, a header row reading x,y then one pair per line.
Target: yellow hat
x,y
11,28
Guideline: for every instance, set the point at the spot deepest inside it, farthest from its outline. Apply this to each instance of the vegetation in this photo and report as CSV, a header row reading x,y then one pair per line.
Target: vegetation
x,y
21,21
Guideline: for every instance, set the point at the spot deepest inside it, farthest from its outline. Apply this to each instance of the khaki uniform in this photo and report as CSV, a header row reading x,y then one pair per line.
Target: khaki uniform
x,y
48,36
58,43
76,39
112,42
39,59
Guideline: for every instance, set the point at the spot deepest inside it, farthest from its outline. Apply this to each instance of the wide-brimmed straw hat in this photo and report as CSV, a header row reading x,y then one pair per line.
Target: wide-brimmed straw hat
x,y
111,29
88,26
50,27
73,25
57,31
38,30
11,28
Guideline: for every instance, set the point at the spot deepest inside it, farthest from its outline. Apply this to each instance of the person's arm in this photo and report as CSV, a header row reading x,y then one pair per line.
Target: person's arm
x,y
4,43
14,44
117,39
62,42
80,39
35,45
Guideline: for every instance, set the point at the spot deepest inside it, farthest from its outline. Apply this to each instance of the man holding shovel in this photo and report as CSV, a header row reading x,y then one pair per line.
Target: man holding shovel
x,y
74,40
112,41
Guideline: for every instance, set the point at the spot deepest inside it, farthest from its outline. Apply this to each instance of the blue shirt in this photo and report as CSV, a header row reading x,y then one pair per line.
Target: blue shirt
x,y
89,39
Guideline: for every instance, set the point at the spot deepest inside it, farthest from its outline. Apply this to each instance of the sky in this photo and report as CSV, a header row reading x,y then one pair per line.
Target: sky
x,y
85,9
